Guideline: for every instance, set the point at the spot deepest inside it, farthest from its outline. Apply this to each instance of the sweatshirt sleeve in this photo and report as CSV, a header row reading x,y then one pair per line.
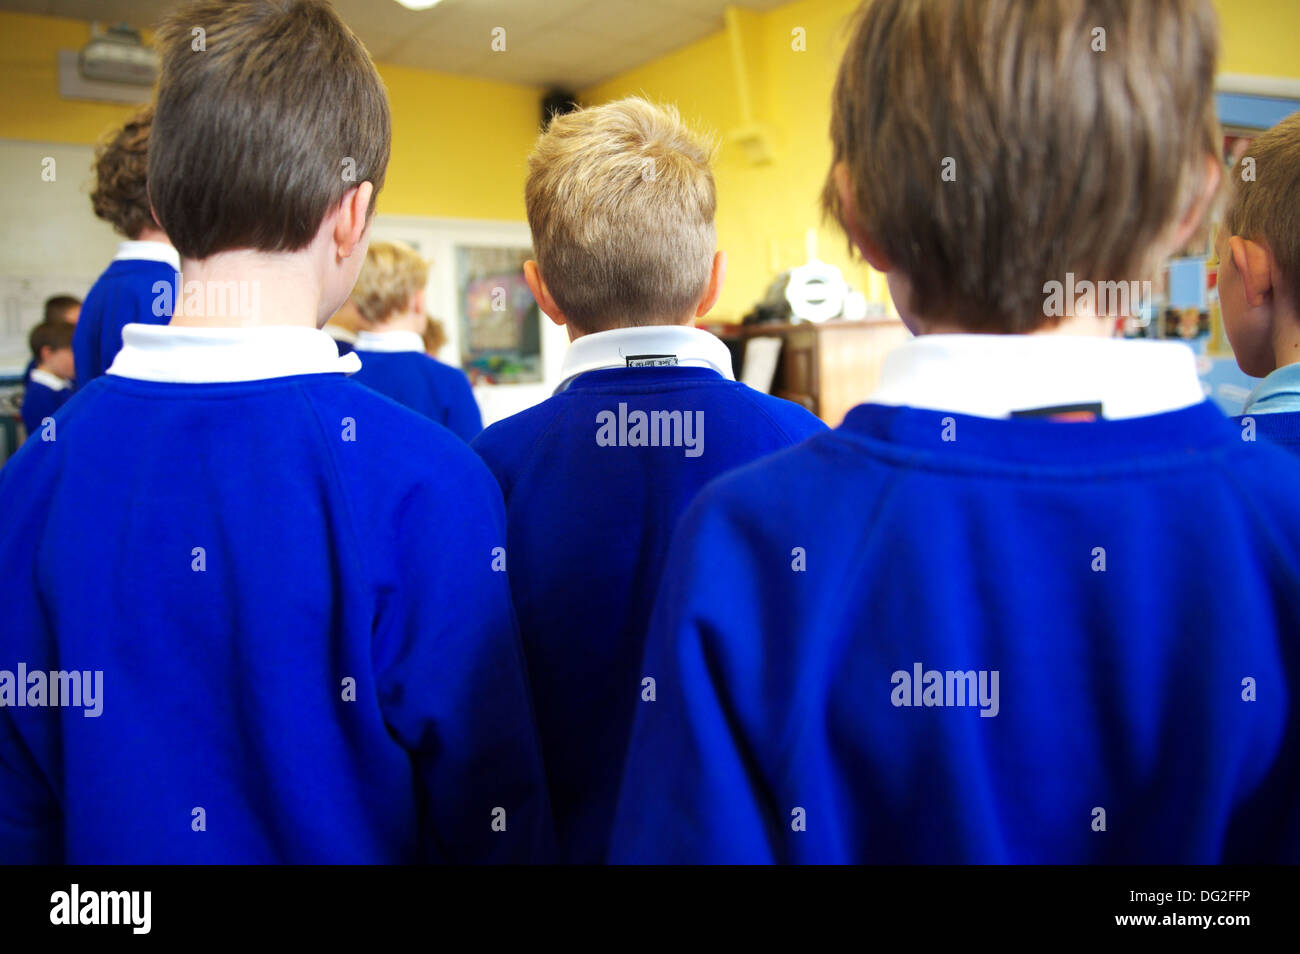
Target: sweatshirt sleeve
x,y
31,823
463,417
692,790
451,678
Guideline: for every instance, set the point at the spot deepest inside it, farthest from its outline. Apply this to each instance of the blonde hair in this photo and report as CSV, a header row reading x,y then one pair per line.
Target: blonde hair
x,y
621,202
1266,206
393,274
993,146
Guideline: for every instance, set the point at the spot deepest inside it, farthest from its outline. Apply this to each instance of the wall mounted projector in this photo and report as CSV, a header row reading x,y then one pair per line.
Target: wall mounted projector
x,y
118,55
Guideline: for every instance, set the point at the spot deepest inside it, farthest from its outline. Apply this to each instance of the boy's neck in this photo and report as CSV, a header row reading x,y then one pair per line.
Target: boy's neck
x,y
248,289
49,370
575,334
148,234
412,321
1286,337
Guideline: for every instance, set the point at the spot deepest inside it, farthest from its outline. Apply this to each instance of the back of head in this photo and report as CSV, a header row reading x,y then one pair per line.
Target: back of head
x,y
993,146
393,274
1264,202
58,307
49,334
268,112
621,202
121,193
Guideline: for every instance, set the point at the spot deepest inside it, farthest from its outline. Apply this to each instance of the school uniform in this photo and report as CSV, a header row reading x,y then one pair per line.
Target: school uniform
x,y
44,394
139,286
287,583
595,478
1272,412
395,364
1110,607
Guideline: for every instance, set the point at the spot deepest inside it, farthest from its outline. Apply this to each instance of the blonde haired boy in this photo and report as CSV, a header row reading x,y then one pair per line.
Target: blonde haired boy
x,y
620,200
389,298
1259,278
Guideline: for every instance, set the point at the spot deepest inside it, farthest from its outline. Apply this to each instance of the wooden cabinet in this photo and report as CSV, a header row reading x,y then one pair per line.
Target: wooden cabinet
x,y
829,367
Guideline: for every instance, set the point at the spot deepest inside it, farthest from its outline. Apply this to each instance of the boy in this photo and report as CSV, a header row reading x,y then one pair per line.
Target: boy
x,y
140,283
620,200
389,297
49,383
976,622
275,585
65,308
1259,280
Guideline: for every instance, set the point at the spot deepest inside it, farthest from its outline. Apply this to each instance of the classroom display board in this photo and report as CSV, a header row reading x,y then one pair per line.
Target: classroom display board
x,y
50,241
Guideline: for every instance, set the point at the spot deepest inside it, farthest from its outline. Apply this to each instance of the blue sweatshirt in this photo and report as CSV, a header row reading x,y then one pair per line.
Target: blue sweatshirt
x,y
425,385
1029,641
589,516
306,653
124,294
1280,427
41,401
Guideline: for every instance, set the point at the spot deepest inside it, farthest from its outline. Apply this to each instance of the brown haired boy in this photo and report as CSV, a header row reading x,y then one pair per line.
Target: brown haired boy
x,y
139,284
1022,605
288,586
49,378
620,200
1259,278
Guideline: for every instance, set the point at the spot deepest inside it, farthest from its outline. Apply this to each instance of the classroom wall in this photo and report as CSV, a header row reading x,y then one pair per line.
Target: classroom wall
x,y
460,144
764,211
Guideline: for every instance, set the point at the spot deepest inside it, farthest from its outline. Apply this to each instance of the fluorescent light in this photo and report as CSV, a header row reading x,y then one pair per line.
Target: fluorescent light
x,y
418,4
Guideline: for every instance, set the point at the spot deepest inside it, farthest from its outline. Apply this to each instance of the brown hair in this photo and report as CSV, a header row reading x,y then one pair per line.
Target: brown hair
x,y
392,275
621,202
121,195
58,306
435,336
264,121
54,335
1066,158
1266,205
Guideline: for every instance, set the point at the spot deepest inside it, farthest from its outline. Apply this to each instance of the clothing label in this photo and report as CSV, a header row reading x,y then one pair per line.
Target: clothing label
x,y
652,361
1064,412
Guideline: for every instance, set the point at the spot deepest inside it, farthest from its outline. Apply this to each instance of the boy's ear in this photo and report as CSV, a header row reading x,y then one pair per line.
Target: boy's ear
x,y
1254,263
1206,190
716,276
852,224
542,294
351,221
418,304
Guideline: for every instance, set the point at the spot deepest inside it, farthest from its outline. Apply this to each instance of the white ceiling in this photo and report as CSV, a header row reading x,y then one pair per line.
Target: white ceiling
x,y
569,43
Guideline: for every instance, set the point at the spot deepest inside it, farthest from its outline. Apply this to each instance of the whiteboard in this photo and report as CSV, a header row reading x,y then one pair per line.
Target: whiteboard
x,y
50,241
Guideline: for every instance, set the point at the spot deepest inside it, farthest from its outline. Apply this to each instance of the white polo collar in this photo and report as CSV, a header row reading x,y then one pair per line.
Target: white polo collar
x,y
389,341
148,252
183,355
996,375
51,381
681,345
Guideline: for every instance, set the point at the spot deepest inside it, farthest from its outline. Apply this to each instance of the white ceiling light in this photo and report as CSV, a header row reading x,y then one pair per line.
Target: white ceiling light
x,y
418,4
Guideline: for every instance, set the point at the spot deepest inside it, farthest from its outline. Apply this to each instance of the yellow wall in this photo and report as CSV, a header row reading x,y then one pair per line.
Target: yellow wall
x,y
459,144
763,211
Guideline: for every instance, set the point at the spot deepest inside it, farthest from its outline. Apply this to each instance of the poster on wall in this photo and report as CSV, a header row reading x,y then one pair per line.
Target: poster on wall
x,y
500,338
